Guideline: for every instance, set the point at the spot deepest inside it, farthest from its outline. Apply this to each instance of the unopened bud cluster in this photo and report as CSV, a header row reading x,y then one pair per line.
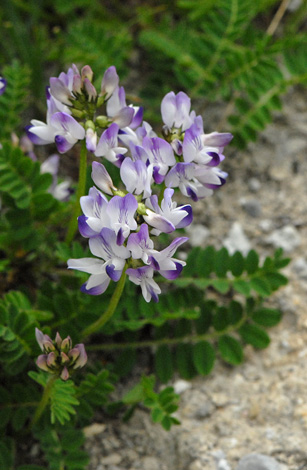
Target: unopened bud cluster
x,y
59,356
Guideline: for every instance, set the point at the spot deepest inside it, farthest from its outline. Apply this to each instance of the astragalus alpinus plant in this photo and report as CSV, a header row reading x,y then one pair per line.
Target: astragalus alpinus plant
x,y
140,295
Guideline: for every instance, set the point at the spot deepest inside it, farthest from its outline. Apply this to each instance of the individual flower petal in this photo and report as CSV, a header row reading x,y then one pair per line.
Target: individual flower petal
x,y
143,277
136,176
109,82
102,179
175,110
108,144
140,245
167,266
121,211
60,91
91,140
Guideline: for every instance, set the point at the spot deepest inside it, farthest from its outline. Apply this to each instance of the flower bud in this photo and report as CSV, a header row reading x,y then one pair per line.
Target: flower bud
x,y
61,358
64,374
77,85
90,90
87,73
42,362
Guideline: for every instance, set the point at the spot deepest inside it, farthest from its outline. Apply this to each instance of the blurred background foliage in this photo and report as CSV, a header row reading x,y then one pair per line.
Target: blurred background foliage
x,y
241,52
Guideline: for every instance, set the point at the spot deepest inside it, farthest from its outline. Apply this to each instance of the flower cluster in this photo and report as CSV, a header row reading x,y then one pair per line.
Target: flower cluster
x,y
120,222
59,356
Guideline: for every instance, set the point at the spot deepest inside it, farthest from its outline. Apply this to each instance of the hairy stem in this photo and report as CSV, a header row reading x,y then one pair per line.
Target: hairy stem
x,y
168,341
111,308
73,223
44,401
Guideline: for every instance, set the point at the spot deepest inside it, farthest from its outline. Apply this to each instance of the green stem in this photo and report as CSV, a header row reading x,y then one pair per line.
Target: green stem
x,y
168,341
111,308
44,401
73,223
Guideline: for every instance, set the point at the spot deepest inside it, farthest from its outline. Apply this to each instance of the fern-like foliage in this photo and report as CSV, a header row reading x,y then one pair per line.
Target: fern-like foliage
x,y
15,99
17,324
25,197
162,405
219,53
63,448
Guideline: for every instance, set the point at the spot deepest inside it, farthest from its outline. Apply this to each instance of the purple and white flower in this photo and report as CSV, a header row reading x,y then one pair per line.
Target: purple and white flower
x,y
136,176
168,217
108,145
108,264
175,110
162,261
109,82
161,155
143,277
118,110
95,218
140,245
121,211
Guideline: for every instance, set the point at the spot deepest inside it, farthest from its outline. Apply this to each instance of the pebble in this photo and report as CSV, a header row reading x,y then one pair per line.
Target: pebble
x,y
198,234
112,459
236,240
286,238
300,268
254,185
251,206
150,463
94,429
181,386
258,462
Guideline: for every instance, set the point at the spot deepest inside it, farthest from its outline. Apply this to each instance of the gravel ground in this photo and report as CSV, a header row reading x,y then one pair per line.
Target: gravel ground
x,y
260,406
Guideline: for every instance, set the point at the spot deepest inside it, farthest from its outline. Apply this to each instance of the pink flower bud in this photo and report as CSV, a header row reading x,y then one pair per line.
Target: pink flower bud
x,y
65,374
87,72
79,354
41,362
90,90
77,84
64,358
66,344
58,340
51,359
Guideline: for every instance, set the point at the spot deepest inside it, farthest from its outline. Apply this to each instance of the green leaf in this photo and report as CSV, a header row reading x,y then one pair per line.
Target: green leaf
x,y
164,363
203,357
252,262
260,286
220,320
267,316
221,285
221,262
237,264
230,350
235,312
184,361
243,287
255,336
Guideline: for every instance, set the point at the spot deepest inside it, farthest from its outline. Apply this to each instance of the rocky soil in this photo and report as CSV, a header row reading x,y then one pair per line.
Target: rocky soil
x,y
259,407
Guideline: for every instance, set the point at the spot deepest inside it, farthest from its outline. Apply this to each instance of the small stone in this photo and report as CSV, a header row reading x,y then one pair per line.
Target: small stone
x,y
150,463
266,225
198,234
286,238
94,429
258,462
196,465
251,206
181,386
236,240
112,459
254,185
300,268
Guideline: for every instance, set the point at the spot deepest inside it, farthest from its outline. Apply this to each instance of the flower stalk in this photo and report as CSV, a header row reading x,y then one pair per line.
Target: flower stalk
x,y
98,324
44,400
73,224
